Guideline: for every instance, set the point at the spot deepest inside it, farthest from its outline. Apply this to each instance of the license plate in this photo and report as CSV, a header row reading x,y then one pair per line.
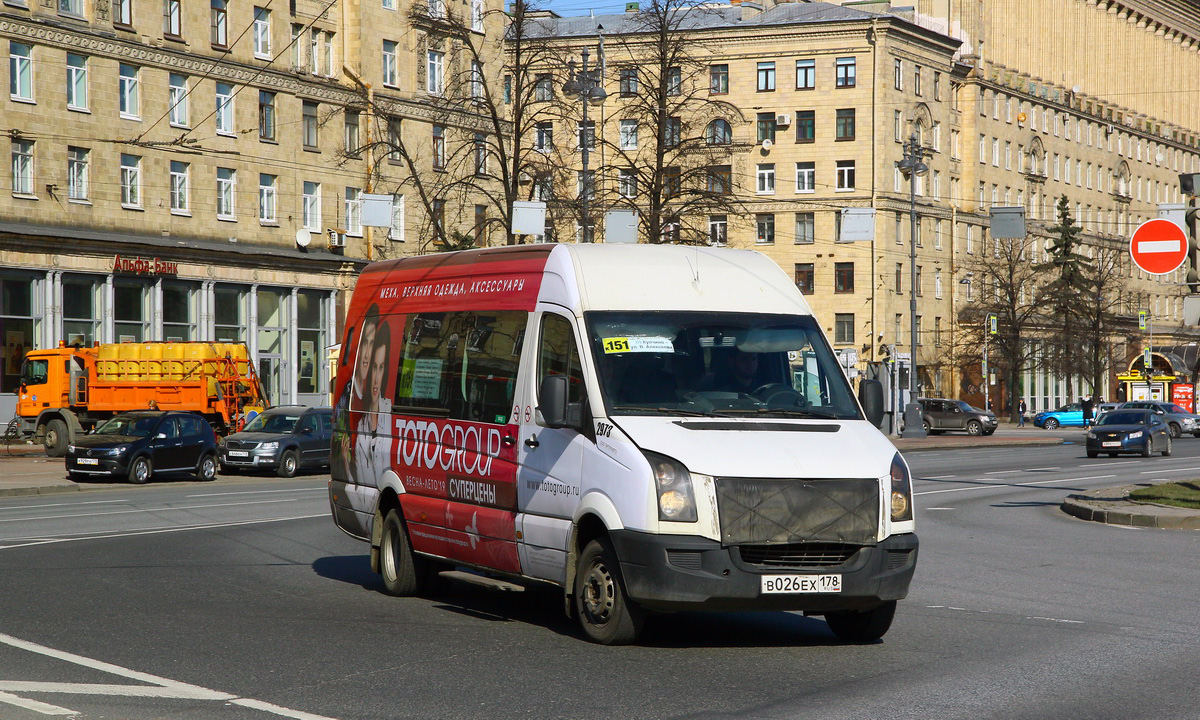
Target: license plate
x,y
780,584
238,453
86,461
1114,443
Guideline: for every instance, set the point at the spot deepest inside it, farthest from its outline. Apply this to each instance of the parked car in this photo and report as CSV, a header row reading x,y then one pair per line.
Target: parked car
x,y
284,439
1066,416
1179,420
942,415
1129,431
145,444
1103,408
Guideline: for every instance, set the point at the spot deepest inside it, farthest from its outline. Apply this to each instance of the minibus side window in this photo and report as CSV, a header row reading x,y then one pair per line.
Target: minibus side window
x,y
558,355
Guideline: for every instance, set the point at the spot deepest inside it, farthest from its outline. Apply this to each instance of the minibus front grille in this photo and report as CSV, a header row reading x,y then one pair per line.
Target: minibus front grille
x,y
757,511
798,554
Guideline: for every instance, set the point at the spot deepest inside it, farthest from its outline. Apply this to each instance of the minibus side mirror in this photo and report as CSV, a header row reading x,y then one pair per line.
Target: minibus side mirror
x,y
552,404
870,394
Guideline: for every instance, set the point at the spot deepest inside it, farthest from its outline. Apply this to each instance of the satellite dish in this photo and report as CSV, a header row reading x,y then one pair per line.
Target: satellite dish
x,y
766,144
302,237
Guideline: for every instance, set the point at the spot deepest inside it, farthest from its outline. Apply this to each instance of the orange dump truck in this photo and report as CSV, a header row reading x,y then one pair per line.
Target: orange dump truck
x,y
67,391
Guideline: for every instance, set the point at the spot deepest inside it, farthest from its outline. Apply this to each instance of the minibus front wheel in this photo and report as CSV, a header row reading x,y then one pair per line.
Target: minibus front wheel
x,y
605,612
397,563
862,626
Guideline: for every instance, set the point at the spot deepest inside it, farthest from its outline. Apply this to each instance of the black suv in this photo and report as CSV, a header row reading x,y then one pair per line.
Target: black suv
x,y
143,444
941,415
284,439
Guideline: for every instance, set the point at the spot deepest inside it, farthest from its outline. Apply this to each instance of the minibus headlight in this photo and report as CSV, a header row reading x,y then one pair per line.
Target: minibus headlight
x,y
901,491
676,501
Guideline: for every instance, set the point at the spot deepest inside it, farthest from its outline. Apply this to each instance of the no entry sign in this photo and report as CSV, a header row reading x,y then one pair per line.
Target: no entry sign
x,y
1158,246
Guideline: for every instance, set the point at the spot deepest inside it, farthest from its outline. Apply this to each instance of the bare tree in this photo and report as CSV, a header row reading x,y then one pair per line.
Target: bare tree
x,y
1099,315
1006,282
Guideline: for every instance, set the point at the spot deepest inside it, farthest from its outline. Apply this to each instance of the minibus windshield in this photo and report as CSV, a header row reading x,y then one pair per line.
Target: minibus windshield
x,y
717,364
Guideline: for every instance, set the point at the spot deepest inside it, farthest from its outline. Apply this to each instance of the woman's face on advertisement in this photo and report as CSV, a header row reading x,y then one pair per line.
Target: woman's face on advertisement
x,y
378,364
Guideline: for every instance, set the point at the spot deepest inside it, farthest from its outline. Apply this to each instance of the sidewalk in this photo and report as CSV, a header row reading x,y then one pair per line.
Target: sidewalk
x,y
1112,506
1006,435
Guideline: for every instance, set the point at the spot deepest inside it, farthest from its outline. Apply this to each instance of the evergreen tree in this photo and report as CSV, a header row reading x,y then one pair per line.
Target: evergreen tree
x,y
1067,291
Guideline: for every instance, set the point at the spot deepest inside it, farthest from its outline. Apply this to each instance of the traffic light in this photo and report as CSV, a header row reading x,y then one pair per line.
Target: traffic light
x,y
1189,185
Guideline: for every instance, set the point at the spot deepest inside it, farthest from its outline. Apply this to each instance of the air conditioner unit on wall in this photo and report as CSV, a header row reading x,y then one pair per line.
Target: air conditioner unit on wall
x,y
337,239
783,120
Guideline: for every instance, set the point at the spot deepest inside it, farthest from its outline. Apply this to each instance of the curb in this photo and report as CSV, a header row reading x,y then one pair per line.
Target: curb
x,y
968,443
43,490
1112,506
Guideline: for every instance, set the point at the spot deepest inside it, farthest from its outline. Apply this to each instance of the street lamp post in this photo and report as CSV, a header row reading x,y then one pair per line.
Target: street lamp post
x,y
588,86
912,167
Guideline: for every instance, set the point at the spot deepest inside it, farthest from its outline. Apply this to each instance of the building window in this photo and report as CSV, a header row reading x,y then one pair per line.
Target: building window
x,y
262,33
172,18
917,327
543,88
806,126
123,12
806,177
396,231
937,331
898,74
627,182
226,184
350,140
766,77
917,80
298,59
481,155
764,224
805,228
672,183
805,278
22,167
674,81
353,211
266,198
219,22
806,74
476,82
585,135
718,229
224,114
309,124
917,278
845,124
765,179
899,278
897,329
937,85
766,126
843,328
937,284
311,207
179,187
439,147
177,100
628,135
718,79
544,136
844,72
845,174
77,173
720,179
131,181
391,76
394,139
673,132
477,16
585,185
77,82
266,115
843,277
129,103
434,72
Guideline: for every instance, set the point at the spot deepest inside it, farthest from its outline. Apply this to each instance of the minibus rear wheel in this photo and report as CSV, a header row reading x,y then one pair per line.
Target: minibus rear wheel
x,y
605,612
862,626
397,563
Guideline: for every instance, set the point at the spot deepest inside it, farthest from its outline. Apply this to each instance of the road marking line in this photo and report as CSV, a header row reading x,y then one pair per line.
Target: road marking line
x,y
1115,462
285,712
35,705
991,486
258,492
1056,467
159,530
1003,472
937,477
939,508
1151,472
39,507
155,691
150,510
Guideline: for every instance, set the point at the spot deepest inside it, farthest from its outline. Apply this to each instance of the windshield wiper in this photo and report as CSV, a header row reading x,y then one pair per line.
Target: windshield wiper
x,y
823,414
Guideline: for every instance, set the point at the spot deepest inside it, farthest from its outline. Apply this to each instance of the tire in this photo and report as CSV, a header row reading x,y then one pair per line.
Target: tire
x,y
862,626
56,438
402,571
1176,431
605,612
1167,450
287,464
1051,424
990,432
1093,453
926,426
974,427
140,470
1148,448
207,469
1196,434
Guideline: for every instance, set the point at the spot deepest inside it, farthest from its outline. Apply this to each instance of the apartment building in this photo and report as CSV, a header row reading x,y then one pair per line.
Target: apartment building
x,y
196,170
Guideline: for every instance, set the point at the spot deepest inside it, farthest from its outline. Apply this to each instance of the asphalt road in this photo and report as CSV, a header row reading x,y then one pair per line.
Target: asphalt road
x,y
239,599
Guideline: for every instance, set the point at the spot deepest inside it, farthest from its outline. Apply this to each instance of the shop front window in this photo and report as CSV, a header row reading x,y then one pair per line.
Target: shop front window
x,y
179,311
272,340
81,309
16,329
310,324
229,313
130,311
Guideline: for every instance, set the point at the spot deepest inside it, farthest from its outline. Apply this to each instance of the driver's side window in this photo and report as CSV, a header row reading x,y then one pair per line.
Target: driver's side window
x,y
167,427
558,355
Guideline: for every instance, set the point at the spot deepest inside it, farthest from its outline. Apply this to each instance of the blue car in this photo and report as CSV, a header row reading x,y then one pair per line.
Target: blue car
x,y
1066,416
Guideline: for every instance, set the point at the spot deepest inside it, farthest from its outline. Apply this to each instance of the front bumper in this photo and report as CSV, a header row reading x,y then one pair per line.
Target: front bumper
x,y
672,572
1136,445
112,466
255,458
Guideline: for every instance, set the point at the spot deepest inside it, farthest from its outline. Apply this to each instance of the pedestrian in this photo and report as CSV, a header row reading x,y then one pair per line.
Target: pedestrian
x,y
1021,413
1087,411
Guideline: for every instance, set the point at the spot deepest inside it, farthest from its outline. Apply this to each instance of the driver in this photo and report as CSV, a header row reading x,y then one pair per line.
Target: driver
x,y
742,376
